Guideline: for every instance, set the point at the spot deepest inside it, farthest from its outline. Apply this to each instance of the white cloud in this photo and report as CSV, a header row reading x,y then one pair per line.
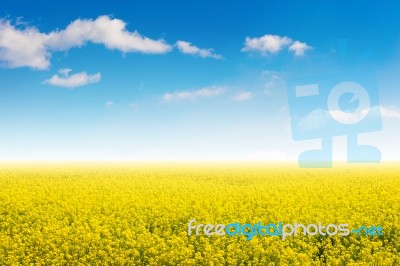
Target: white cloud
x,y
207,92
109,103
63,79
266,44
316,119
188,48
22,46
242,96
385,112
272,44
349,118
110,32
299,48
390,112
319,118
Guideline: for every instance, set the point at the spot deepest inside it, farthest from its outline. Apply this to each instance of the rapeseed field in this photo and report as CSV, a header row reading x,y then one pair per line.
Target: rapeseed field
x,y
138,213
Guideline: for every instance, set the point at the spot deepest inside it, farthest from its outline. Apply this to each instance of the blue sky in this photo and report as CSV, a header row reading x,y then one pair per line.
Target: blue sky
x,y
182,80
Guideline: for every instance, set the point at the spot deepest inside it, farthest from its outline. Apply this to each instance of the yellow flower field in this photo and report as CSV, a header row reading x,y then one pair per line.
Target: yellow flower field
x,y
138,213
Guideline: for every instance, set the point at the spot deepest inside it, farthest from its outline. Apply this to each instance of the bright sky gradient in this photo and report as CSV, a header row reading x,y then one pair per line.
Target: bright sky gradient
x,y
181,80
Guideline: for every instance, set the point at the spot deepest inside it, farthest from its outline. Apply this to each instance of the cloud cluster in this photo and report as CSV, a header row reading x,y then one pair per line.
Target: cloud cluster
x,y
28,47
104,30
272,44
206,92
188,48
63,79
299,48
23,47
